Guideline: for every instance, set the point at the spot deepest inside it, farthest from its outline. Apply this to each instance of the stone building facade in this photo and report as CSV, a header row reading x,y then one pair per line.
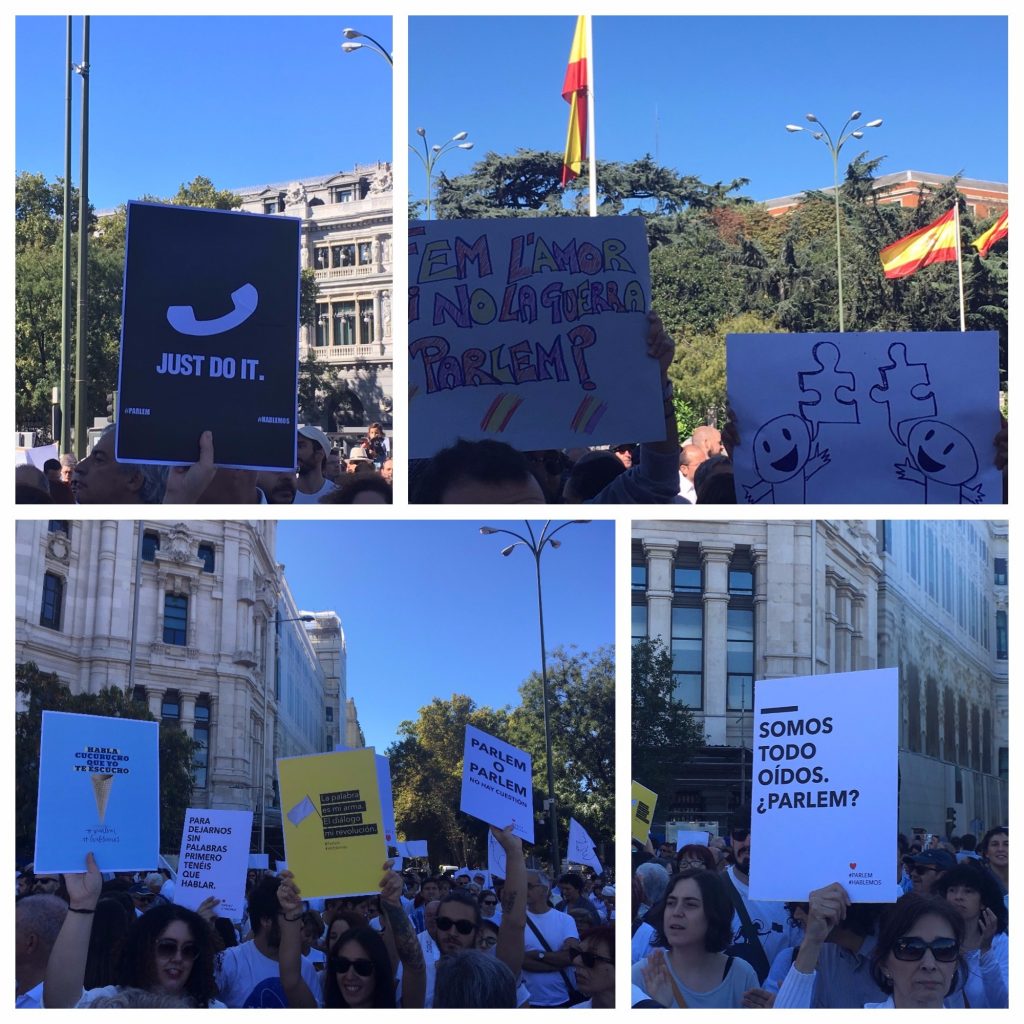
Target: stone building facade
x,y
207,645
745,600
346,241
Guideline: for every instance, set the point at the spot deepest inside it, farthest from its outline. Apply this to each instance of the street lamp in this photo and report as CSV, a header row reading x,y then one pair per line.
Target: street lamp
x,y
833,147
431,154
535,545
263,752
373,46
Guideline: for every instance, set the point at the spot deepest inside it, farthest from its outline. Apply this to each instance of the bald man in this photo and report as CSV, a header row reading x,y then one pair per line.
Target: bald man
x,y
709,439
690,457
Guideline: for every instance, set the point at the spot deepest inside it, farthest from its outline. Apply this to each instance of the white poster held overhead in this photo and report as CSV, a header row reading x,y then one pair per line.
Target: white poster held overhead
x,y
497,783
581,849
214,859
697,837
495,857
825,782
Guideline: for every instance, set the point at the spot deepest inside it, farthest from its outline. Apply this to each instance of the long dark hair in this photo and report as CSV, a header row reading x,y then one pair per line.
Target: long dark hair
x,y
137,964
110,924
718,909
383,974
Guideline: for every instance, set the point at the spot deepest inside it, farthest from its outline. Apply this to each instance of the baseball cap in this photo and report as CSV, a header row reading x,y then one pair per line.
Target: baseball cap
x,y
941,860
315,434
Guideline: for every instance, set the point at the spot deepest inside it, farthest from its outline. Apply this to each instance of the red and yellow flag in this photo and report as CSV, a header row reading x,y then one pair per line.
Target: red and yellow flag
x,y
990,237
936,243
574,92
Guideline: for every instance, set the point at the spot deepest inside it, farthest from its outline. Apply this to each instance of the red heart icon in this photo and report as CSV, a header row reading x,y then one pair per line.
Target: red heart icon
x,y
853,866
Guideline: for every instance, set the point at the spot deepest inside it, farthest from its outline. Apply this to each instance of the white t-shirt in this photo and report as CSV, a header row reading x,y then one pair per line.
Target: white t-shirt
x,y
547,987
769,918
727,994
312,499
642,942
249,980
91,995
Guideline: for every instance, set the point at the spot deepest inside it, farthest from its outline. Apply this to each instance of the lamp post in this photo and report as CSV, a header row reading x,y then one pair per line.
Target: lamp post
x,y
834,147
431,154
263,753
372,45
535,545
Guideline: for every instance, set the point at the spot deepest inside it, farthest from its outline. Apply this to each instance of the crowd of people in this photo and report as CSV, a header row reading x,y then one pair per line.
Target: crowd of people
x,y
700,941
323,474
461,939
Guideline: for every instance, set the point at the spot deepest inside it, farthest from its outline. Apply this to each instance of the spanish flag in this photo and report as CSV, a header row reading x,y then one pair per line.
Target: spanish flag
x,y
574,92
936,243
993,235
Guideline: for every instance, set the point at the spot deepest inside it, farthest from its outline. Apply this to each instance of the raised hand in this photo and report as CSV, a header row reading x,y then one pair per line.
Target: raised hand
x,y
84,888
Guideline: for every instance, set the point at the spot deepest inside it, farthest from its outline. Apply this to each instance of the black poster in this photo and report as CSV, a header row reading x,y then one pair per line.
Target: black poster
x,y
209,337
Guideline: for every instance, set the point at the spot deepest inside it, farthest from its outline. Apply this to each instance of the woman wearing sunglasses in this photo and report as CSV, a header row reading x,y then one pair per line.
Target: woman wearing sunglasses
x,y
976,896
359,973
915,958
695,922
167,951
594,960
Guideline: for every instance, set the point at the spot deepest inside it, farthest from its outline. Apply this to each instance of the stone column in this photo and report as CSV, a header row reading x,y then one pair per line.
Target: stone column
x,y
715,557
759,558
155,698
660,555
844,626
187,713
378,335
105,572
832,580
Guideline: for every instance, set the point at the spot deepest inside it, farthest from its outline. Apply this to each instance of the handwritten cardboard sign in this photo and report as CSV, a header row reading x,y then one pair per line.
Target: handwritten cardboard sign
x,y
865,417
99,791
530,331
497,783
580,848
813,780
214,859
332,822
209,337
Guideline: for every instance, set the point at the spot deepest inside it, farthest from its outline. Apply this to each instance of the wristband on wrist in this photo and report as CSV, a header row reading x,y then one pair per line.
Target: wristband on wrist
x,y
81,910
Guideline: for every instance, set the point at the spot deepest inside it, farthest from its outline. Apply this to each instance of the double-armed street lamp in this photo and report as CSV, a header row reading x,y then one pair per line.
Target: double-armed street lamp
x,y
431,154
823,136
371,44
536,545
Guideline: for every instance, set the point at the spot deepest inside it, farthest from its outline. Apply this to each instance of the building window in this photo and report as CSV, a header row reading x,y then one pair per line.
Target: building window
x,y
206,556
963,753
686,580
330,713
345,323
365,252
1004,763
201,734
1000,579
53,601
321,257
986,741
638,577
948,725
931,718
150,546
343,255
366,320
639,623
975,739
1001,638
740,660
688,655
272,206
323,325
139,694
343,194
175,619
64,526
914,715
170,706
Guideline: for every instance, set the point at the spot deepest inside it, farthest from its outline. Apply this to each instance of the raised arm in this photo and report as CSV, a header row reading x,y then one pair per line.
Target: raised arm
x,y
289,954
414,971
65,971
511,945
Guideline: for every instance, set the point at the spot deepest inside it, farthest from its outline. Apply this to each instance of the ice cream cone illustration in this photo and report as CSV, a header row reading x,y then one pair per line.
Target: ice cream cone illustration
x,y
101,791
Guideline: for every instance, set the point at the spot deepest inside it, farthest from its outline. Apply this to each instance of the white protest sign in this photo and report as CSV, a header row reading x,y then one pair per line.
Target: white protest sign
x,y
581,849
495,856
695,838
530,331
497,783
214,859
825,776
882,416
412,848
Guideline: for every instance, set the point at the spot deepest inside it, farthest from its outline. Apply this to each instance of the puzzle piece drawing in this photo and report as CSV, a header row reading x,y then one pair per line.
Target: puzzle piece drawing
x,y
831,388
905,388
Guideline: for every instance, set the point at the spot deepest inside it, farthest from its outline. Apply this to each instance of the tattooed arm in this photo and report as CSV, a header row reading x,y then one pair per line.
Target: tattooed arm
x,y
513,901
414,971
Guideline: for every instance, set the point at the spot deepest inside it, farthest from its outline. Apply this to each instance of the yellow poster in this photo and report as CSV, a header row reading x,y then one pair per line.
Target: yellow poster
x,y
332,822
644,802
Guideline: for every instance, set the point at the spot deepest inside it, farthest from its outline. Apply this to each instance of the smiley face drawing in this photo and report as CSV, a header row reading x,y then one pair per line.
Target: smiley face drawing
x,y
784,461
943,460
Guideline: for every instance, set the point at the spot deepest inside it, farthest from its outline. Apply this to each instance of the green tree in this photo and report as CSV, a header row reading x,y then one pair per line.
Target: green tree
x,y
665,734
581,688
315,379
43,691
426,777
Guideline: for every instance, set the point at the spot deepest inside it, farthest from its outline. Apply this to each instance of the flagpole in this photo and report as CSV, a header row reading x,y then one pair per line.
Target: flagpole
x,y
591,123
959,263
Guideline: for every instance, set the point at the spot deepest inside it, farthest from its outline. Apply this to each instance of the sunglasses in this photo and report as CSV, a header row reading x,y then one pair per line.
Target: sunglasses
x,y
921,869
910,947
342,965
739,834
589,959
445,924
166,949
490,903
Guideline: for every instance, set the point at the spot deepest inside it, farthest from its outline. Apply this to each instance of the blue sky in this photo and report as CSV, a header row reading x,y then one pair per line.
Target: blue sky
x,y
241,100
710,95
432,608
